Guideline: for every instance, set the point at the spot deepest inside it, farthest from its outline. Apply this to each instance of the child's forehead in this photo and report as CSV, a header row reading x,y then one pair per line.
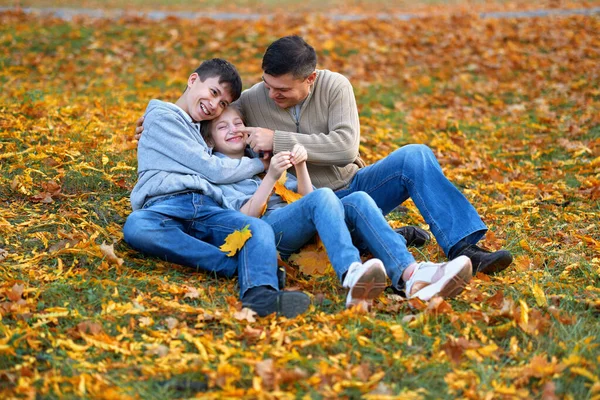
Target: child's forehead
x,y
228,113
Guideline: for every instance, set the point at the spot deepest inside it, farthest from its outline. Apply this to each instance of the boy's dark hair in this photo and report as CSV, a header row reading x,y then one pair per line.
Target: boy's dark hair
x,y
290,54
225,71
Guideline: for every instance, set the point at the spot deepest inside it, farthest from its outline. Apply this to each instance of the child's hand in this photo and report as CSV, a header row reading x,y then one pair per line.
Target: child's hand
x,y
279,163
299,154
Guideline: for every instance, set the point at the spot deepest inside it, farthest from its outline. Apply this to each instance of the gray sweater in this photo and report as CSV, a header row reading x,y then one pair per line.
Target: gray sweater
x,y
173,158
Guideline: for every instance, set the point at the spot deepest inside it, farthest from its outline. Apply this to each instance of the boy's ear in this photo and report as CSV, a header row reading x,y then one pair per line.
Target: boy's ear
x,y
193,77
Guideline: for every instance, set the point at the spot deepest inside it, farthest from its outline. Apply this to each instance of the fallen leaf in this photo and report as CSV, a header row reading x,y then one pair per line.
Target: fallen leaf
x,y
109,253
191,293
245,314
312,260
15,292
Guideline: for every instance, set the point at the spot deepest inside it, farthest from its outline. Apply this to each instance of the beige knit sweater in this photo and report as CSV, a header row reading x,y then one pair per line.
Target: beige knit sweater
x,y
328,129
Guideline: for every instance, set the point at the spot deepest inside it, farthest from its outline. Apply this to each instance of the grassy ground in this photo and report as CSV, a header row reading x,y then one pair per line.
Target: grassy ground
x,y
509,106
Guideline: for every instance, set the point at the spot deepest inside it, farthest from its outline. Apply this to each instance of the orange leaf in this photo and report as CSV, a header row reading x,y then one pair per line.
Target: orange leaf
x,y
287,195
312,260
235,241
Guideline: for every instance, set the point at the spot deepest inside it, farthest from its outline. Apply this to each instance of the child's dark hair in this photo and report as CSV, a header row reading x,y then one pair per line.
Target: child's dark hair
x,y
206,125
290,54
225,71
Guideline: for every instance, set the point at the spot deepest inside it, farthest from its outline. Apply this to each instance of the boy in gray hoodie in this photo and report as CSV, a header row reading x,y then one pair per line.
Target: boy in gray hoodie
x,y
177,203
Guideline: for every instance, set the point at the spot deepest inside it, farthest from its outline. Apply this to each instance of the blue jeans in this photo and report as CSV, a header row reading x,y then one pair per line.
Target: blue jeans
x,y
339,222
189,228
413,171
319,212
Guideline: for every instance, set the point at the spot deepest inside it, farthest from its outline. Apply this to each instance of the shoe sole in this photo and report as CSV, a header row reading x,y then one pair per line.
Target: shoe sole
x,y
458,273
292,304
370,285
502,261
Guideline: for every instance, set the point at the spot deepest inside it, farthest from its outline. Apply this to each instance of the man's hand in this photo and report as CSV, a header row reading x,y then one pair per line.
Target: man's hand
x,y
259,139
139,128
299,154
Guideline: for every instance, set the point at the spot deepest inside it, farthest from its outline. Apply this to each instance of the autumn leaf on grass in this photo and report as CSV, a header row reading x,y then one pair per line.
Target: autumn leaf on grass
x,y
312,260
540,297
287,195
109,253
235,241
245,314
191,293
3,254
51,191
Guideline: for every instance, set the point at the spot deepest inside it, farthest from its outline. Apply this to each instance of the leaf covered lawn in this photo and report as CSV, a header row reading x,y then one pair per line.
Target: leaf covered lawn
x,y
510,106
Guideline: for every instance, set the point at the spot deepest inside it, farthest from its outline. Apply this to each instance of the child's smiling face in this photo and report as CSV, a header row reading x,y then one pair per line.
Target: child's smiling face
x,y
225,135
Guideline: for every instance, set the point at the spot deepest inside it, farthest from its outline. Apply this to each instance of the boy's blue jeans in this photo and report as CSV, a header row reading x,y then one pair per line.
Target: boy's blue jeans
x,y
189,228
338,222
413,171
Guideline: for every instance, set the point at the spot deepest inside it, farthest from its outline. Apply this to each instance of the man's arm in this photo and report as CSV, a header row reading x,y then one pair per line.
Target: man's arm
x,y
167,139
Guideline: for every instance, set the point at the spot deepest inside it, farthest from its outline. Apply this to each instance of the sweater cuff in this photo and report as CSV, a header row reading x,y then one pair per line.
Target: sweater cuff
x,y
283,141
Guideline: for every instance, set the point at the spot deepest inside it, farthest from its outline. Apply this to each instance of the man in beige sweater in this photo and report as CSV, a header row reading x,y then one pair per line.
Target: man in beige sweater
x,y
297,103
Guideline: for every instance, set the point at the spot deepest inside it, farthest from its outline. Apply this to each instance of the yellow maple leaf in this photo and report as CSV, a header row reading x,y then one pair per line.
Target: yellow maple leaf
x,y
235,241
287,195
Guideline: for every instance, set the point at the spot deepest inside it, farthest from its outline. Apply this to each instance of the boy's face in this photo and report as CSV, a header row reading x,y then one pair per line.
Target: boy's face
x,y
206,100
225,135
286,90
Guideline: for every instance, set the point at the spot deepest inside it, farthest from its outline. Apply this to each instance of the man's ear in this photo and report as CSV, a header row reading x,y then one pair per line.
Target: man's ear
x,y
311,78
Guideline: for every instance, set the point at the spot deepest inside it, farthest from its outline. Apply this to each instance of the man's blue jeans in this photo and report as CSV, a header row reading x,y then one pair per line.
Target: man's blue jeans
x,y
338,222
413,171
189,228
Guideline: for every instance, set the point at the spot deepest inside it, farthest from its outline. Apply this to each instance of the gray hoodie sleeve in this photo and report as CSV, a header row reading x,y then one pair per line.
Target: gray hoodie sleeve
x,y
168,142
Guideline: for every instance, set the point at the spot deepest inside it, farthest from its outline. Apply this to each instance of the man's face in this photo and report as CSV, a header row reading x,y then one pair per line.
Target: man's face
x,y
225,135
206,100
287,91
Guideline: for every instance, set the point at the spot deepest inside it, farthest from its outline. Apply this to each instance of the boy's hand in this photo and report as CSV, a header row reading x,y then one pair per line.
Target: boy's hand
x,y
299,154
259,139
139,128
279,163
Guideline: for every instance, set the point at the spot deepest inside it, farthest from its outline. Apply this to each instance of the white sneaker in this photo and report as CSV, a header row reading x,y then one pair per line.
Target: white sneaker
x,y
365,281
446,279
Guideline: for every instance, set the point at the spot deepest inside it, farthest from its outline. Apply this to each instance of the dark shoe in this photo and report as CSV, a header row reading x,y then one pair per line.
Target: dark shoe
x,y
486,261
414,235
265,300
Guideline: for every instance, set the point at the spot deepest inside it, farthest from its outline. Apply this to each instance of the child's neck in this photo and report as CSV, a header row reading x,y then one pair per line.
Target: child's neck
x,y
237,155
